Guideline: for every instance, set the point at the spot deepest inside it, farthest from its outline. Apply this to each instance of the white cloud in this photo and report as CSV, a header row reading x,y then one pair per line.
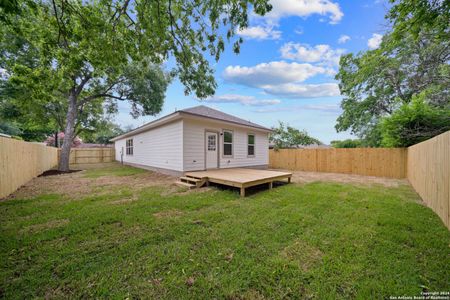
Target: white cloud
x,y
260,33
306,53
299,31
295,90
305,8
343,39
242,99
280,78
327,108
272,73
375,41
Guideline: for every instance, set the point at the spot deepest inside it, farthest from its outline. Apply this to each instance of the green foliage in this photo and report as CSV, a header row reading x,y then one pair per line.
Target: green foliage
x,y
9,128
411,59
348,143
319,240
413,123
91,53
114,170
285,136
103,132
414,16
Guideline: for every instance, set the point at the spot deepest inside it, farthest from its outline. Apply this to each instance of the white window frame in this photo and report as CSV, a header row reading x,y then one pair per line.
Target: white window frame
x,y
129,147
228,143
254,144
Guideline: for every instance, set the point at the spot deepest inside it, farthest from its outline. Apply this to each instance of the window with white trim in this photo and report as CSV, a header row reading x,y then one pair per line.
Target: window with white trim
x,y
129,147
227,143
251,145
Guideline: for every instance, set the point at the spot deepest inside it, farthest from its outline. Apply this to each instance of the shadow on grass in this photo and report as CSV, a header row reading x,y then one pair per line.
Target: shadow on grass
x,y
250,191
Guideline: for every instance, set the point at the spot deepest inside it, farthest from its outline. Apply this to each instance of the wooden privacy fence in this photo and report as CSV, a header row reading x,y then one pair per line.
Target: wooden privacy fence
x,y
383,162
91,155
22,161
426,165
429,173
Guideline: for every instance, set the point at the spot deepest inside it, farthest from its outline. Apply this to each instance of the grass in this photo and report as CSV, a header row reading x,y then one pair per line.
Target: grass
x,y
319,240
114,170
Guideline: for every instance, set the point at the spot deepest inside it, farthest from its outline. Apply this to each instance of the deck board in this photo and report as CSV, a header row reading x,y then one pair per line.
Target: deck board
x,y
240,177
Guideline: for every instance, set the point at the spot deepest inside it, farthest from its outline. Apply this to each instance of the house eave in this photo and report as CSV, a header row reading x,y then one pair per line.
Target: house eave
x,y
180,115
159,122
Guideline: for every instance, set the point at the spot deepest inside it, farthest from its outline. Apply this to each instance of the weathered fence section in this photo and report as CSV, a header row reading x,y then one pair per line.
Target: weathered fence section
x,y
382,162
91,155
22,161
429,173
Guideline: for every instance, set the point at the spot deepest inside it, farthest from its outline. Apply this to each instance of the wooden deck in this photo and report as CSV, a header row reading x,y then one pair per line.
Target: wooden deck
x,y
239,177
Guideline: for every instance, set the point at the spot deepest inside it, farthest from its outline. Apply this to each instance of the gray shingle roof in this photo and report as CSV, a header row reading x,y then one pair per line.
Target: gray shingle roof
x,y
201,111
204,111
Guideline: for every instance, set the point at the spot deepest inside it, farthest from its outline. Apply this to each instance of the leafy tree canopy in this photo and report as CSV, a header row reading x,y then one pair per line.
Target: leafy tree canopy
x,y
103,132
412,59
285,136
108,51
413,123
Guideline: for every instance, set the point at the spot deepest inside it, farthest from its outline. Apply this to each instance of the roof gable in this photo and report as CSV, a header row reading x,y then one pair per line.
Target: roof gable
x,y
199,111
207,112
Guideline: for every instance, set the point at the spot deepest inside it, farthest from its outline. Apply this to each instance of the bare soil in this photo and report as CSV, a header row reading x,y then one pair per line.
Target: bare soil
x,y
307,177
57,172
76,185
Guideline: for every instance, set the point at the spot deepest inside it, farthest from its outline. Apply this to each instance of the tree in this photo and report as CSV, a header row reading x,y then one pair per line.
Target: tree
x,y
285,136
103,133
413,123
410,60
37,120
348,143
111,51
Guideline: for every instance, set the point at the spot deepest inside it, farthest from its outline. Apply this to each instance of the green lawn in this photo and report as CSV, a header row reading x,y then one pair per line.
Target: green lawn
x,y
319,240
113,170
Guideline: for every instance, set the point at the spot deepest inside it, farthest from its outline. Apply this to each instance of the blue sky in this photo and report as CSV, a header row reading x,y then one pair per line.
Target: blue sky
x,y
286,67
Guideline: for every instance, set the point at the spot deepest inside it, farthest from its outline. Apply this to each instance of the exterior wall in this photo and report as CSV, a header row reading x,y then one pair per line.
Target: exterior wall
x,y
194,145
160,147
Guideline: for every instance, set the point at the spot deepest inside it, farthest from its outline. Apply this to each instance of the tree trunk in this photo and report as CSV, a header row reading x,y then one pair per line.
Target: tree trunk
x,y
68,132
56,140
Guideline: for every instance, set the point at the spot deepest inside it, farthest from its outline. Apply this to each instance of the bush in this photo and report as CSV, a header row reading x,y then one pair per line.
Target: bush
x,y
348,143
413,123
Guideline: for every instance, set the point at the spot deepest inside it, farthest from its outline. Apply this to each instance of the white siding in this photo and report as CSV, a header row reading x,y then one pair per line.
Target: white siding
x,y
160,147
194,146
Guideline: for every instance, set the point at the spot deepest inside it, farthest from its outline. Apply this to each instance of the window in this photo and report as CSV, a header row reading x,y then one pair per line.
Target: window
x,y
227,143
211,143
129,147
251,145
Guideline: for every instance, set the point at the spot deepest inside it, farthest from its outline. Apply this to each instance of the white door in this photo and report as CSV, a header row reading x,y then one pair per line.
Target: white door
x,y
211,150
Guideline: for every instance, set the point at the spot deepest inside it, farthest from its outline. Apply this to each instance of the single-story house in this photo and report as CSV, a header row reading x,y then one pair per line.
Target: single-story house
x,y
194,139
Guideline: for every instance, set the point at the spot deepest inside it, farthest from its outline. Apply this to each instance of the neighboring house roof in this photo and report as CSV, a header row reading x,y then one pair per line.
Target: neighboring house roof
x,y
197,111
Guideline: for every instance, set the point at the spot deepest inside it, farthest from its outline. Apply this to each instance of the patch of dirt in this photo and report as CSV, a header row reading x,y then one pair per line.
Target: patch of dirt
x,y
307,177
57,172
45,226
75,185
303,254
168,214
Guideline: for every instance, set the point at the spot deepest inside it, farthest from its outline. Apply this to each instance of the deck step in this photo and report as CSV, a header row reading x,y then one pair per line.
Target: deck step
x,y
192,176
191,179
185,184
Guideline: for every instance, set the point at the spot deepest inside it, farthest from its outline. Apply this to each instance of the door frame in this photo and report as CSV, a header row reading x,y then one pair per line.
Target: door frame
x,y
217,146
